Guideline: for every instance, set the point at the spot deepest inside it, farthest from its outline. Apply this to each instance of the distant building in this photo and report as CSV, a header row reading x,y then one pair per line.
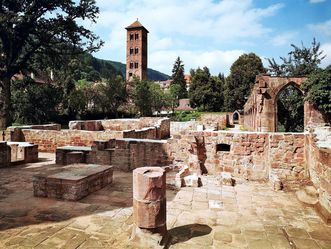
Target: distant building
x,y
136,51
188,79
184,105
165,85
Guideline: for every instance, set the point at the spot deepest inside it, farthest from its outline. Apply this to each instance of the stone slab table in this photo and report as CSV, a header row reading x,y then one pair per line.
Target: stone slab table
x,y
74,182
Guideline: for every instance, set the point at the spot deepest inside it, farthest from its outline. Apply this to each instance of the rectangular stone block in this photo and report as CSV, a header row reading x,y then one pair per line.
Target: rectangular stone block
x,y
73,183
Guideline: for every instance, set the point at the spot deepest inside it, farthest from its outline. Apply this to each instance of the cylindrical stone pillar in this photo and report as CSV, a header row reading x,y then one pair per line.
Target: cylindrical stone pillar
x,y
149,199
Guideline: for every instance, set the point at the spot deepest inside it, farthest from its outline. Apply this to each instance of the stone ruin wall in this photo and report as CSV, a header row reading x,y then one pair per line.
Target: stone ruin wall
x,y
161,125
260,110
5,152
49,137
318,157
129,154
253,156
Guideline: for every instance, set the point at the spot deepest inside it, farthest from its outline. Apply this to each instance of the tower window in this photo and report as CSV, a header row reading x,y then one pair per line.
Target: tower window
x,y
131,50
136,36
136,65
131,36
130,74
131,65
136,50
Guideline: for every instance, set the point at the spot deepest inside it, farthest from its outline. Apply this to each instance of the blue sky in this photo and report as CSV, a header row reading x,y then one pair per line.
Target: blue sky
x,y
213,33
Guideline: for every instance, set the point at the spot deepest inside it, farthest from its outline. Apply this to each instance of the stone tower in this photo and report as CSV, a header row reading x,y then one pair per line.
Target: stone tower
x,y
136,51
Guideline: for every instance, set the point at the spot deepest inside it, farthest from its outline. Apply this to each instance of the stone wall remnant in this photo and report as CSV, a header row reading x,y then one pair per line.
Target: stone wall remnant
x,y
260,110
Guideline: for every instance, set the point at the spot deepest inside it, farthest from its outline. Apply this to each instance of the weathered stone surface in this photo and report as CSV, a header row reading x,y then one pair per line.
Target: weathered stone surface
x,y
149,200
5,152
73,183
192,181
308,195
226,179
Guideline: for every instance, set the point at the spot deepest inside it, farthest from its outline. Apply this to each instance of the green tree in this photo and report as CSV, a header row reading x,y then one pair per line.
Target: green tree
x,y
206,90
34,103
30,27
290,110
301,61
143,97
240,81
178,78
171,97
158,97
111,95
318,90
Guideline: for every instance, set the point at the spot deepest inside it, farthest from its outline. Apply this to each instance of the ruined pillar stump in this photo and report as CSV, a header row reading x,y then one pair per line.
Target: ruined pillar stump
x,y
149,203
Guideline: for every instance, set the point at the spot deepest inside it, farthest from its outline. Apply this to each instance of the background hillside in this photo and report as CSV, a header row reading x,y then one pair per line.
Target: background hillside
x,y
108,68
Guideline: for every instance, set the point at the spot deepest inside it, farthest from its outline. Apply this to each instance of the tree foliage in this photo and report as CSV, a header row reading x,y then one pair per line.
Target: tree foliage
x,y
48,28
240,81
318,90
301,61
34,103
206,91
110,95
290,105
178,78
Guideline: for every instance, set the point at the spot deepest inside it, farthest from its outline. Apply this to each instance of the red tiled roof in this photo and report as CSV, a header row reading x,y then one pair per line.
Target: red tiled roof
x,y
136,25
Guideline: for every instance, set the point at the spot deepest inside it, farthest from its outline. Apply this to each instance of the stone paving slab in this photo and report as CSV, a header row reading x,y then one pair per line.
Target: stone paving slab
x,y
252,216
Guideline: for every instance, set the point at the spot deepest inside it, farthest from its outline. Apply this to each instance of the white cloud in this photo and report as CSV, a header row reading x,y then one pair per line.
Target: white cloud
x,y
196,29
283,38
217,61
326,48
316,1
324,27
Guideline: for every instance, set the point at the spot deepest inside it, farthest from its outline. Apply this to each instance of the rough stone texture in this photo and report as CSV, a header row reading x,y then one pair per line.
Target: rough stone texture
x,y
123,154
252,156
49,139
260,110
149,199
73,183
24,152
318,154
252,216
226,179
4,154
222,120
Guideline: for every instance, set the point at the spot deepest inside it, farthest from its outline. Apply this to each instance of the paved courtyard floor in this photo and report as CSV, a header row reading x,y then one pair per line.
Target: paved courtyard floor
x,y
249,215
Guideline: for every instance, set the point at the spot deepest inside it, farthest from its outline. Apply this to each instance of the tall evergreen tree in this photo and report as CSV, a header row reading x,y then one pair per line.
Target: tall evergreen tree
x,y
240,81
178,78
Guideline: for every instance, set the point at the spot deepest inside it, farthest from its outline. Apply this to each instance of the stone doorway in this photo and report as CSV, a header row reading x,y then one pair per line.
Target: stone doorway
x,y
289,109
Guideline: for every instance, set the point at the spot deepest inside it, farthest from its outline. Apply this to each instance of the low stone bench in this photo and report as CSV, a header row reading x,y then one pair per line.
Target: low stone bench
x,y
74,182
23,152
72,154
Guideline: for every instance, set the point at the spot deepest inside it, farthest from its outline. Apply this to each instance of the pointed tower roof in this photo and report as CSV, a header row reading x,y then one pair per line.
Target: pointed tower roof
x,y
136,25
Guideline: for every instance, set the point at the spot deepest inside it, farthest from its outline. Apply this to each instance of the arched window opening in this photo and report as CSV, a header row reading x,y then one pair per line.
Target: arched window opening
x,y
290,110
235,118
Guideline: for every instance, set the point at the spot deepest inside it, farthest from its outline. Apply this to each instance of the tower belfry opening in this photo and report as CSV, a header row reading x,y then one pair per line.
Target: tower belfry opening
x,y
136,51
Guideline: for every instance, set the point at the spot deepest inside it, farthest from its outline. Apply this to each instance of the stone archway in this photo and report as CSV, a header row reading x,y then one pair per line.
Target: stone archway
x,y
292,87
260,110
236,117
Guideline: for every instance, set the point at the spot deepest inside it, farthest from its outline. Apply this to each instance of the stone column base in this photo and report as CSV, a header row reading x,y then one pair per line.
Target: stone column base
x,y
151,237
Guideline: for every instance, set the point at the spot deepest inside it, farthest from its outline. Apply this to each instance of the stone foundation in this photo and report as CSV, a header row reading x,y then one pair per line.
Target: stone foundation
x,y
123,154
73,183
4,154
84,133
253,156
